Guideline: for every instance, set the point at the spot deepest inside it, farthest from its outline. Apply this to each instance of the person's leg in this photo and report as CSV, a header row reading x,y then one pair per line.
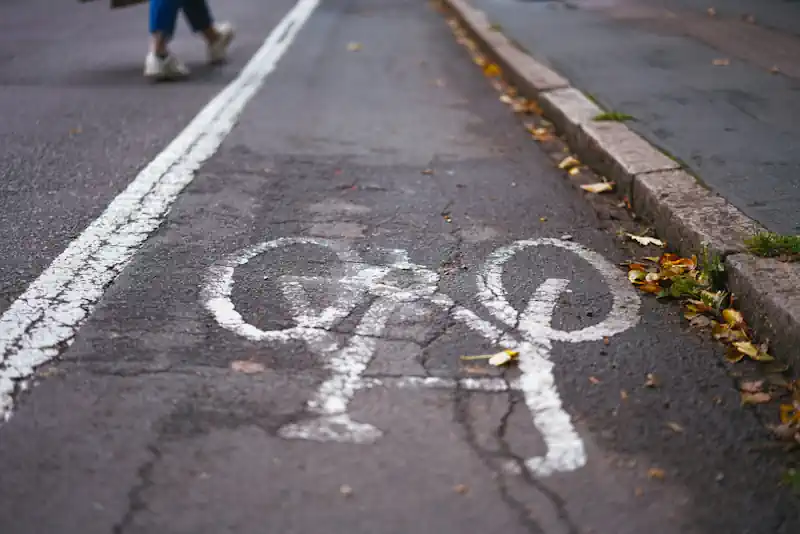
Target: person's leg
x,y
218,36
160,64
163,17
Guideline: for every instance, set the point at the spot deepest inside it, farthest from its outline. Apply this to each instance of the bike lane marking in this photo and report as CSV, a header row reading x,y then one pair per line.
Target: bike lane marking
x,y
397,282
44,320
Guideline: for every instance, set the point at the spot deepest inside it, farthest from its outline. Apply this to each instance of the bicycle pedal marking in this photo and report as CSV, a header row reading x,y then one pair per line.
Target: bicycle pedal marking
x,y
398,282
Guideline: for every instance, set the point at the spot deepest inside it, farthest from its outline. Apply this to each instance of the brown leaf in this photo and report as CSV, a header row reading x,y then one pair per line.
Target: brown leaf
x,y
461,489
722,62
650,287
623,394
594,380
752,386
755,398
247,367
733,355
599,187
656,473
427,172
786,432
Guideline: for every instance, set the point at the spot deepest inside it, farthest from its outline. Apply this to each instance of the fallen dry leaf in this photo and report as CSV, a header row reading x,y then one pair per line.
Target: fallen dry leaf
x,y
637,276
354,46
606,341
656,473
247,367
645,241
712,12
638,492
492,71
574,171
733,355
346,490
755,398
789,414
755,353
506,99
775,69
675,427
504,357
652,381
721,62
751,386
733,317
623,394
651,287
599,187
461,489
594,380
569,162
427,172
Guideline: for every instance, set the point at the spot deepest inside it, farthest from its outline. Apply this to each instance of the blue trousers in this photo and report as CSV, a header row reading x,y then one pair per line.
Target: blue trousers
x,y
164,15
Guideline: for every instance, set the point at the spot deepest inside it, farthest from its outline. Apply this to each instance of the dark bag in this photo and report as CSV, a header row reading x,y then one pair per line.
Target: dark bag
x,y
119,3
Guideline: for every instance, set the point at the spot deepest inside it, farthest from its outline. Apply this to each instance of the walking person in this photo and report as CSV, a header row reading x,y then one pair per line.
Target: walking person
x,y
160,63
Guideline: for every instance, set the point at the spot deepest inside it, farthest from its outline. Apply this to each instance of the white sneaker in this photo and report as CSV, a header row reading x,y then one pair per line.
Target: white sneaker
x,y
218,50
163,69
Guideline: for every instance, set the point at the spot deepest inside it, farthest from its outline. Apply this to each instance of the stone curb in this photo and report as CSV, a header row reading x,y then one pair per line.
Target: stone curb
x,y
684,213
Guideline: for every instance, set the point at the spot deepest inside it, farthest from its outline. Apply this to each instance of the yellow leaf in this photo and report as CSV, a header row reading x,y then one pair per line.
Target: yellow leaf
x,y
492,71
502,358
569,162
599,187
505,99
574,171
354,47
755,398
747,348
733,317
636,276
789,414
656,473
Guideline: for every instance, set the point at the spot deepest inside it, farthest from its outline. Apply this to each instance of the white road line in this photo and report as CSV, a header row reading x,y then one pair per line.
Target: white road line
x,y
45,318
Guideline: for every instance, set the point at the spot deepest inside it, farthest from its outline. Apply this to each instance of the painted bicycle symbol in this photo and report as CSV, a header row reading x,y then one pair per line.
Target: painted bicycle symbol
x,y
397,282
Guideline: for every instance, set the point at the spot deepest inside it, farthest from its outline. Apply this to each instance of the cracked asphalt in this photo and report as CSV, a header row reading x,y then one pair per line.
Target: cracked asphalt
x,y
142,426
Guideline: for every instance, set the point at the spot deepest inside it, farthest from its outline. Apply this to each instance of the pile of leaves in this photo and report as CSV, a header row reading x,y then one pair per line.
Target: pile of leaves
x,y
706,305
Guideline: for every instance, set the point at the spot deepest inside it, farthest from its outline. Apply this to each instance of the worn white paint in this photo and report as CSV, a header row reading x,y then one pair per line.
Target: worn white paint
x,y
400,282
46,317
565,449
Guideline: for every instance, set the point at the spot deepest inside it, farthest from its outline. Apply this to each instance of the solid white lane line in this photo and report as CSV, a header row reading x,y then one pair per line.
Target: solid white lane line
x,y
45,318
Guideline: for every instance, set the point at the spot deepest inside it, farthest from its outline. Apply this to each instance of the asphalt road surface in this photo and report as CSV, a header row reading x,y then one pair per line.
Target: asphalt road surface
x,y
279,351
